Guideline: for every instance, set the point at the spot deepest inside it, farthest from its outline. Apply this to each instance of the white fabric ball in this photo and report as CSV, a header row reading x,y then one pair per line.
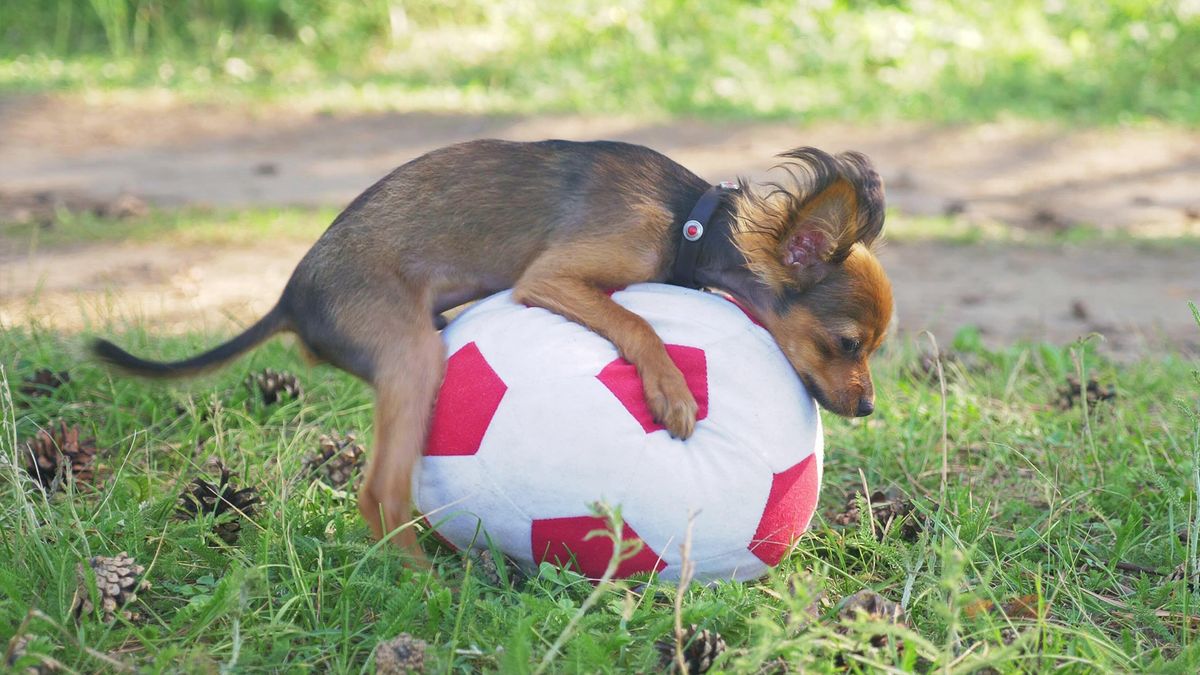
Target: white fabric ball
x,y
538,418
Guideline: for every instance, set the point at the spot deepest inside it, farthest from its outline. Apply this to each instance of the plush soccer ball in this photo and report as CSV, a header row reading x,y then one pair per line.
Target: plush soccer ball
x,y
538,419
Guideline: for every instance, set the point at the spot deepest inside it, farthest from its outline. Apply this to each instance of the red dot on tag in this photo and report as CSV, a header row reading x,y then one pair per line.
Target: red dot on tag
x,y
692,230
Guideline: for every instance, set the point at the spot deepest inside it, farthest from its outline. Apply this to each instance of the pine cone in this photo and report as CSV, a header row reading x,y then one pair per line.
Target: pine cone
x,y
1068,396
118,580
224,501
16,649
488,566
872,606
1182,534
402,654
797,585
889,508
43,382
338,461
58,450
925,367
776,666
18,646
1180,573
274,385
700,649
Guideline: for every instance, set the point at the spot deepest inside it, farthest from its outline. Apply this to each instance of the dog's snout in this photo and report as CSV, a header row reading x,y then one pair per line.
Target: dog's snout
x,y
865,407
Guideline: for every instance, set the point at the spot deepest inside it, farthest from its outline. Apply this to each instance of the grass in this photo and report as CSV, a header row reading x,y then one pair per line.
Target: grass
x,y
195,226
1072,60
182,227
1047,505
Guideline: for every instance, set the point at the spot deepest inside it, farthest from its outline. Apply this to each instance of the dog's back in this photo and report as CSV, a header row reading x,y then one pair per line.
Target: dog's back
x,y
495,205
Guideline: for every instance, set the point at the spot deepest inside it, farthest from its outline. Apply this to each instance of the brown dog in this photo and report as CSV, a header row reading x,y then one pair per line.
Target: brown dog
x,y
560,222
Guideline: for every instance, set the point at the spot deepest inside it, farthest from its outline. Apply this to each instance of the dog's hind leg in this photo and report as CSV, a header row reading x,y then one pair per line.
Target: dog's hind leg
x,y
409,364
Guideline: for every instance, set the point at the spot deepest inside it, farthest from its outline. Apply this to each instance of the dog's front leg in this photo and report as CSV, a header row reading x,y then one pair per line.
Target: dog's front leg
x,y
584,301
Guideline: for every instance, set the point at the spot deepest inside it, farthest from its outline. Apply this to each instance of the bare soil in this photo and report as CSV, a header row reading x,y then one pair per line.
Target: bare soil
x,y
1140,181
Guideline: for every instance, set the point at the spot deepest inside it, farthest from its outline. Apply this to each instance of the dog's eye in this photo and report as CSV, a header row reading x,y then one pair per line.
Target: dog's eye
x,y
850,345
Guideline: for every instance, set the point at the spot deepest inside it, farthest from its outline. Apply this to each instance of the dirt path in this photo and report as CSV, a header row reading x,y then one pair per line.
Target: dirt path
x,y
1015,172
1027,175
1137,302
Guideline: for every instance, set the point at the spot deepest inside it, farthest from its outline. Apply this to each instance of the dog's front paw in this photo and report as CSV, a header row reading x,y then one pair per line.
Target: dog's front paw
x,y
671,402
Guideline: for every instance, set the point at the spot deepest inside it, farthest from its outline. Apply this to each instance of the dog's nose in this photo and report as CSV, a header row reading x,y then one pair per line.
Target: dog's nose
x,y
865,407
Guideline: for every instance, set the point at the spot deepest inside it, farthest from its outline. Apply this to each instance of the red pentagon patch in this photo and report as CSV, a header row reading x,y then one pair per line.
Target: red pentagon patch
x,y
470,394
621,378
790,505
561,541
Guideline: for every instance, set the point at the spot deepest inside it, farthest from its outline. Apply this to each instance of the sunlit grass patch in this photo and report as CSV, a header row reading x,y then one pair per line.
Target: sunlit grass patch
x,y
187,226
966,230
1074,60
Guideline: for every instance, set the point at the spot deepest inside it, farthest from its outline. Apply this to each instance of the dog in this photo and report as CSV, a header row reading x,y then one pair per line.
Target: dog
x,y
561,222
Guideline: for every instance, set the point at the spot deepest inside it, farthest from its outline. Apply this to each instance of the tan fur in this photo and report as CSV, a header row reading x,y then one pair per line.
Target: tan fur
x,y
570,281
854,301
838,197
765,223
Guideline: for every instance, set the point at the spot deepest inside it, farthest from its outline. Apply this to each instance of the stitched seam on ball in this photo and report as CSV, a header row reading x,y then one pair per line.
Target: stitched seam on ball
x,y
496,489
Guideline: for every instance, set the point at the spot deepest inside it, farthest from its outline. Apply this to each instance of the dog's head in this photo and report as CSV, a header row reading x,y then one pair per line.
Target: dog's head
x,y
822,293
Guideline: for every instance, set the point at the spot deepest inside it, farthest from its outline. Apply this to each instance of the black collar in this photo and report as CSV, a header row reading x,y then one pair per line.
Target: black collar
x,y
695,231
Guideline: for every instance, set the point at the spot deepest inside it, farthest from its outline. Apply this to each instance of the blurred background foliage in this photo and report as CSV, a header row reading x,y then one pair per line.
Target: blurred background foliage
x,y
1082,60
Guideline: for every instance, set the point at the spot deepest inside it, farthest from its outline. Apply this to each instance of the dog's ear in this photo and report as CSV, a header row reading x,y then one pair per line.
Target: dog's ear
x,y
799,230
868,190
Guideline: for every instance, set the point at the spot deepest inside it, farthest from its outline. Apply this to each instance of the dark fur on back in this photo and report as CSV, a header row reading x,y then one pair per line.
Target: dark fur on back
x,y
467,219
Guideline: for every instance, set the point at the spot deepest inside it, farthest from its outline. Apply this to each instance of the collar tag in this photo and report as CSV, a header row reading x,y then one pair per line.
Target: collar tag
x,y
683,270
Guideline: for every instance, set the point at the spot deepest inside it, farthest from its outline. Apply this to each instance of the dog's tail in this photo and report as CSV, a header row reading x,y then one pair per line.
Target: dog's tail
x,y
273,322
